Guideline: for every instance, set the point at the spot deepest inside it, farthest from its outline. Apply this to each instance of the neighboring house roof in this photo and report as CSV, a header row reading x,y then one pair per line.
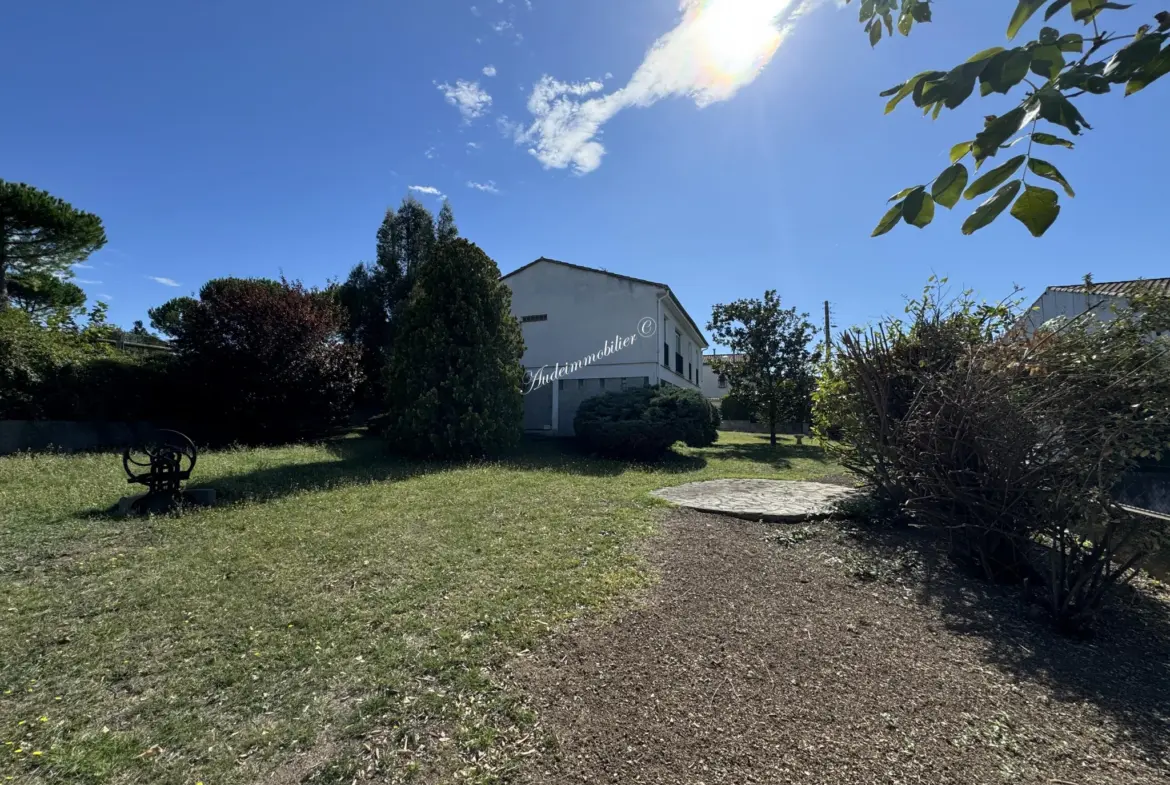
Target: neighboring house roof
x,y
1119,288
673,298
728,356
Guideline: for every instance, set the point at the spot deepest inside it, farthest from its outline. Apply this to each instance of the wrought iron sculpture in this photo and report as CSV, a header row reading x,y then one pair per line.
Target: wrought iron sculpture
x,y
168,461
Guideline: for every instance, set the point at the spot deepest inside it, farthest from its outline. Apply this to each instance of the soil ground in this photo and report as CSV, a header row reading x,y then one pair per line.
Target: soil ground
x,y
824,654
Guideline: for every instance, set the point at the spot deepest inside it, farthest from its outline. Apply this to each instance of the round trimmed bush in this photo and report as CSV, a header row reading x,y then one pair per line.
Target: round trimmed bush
x,y
643,423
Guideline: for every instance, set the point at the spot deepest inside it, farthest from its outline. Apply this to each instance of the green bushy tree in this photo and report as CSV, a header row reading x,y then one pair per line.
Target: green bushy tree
x,y
454,376
40,233
774,370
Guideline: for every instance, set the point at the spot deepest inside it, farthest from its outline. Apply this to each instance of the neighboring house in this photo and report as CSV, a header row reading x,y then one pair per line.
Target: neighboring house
x,y
589,331
1102,299
715,385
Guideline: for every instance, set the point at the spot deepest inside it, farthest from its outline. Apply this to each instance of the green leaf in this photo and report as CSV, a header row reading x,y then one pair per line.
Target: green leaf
x,y
993,178
1073,42
1036,209
1054,9
905,22
875,34
1005,70
986,54
1057,109
1045,169
918,209
960,150
1130,58
948,186
1047,61
1040,137
895,89
889,20
990,210
865,11
921,12
1023,13
889,220
997,131
906,88
1048,35
904,193
1156,69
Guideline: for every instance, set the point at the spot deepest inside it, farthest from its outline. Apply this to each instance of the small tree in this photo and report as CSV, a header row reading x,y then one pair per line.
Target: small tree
x,y
40,233
774,372
454,378
168,317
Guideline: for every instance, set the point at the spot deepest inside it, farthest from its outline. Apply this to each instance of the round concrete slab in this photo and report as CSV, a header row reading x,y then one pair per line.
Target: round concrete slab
x,y
779,501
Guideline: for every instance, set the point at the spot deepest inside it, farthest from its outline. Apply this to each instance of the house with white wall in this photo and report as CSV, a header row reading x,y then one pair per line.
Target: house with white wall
x,y
1103,300
714,384
589,331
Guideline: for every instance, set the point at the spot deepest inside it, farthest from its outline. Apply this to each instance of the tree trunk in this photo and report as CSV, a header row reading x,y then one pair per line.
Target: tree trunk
x,y
772,420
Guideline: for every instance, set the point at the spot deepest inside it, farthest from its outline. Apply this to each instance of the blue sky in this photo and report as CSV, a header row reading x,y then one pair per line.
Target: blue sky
x,y
253,139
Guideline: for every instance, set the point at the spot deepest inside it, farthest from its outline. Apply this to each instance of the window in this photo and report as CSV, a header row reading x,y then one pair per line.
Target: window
x,y
536,317
722,381
677,342
645,381
623,382
560,384
601,383
665,354
689,372
580,384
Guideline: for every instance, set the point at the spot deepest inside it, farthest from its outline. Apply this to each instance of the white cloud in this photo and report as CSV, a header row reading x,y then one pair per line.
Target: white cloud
x,y
489,70
500,27
488,187
163,281
717,47
83,266
85,280
467,97
474,145
474,11
430,152
429,190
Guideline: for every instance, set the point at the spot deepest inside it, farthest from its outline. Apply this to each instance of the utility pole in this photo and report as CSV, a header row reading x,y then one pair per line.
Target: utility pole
x,y
828,337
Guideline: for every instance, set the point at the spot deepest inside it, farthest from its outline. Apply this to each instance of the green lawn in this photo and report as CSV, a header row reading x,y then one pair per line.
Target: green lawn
x,y
341,612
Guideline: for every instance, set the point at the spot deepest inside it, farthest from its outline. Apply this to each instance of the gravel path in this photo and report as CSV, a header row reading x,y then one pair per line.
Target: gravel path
x,y
797,655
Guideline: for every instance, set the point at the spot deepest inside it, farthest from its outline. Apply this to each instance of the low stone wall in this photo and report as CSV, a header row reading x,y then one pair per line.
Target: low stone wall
x,y
746,426
67,436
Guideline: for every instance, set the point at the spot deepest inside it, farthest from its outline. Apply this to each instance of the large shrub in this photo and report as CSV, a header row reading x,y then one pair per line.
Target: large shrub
x,y
263,361
643,423
1011,446
57,371
454,376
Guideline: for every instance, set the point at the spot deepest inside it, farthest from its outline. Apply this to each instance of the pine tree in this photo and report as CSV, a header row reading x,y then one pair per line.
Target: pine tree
x,y
40,233
455,376
446,229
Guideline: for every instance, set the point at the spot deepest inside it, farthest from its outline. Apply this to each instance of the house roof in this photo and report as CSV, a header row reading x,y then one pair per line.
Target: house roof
x,y
1159,286
729,356
673,298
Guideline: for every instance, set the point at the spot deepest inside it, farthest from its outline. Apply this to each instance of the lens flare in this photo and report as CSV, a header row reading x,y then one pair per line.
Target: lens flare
x,y
736,38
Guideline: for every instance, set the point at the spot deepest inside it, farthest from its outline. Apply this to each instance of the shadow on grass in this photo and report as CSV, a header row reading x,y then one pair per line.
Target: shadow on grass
x,y
362,459
760,450
1124,669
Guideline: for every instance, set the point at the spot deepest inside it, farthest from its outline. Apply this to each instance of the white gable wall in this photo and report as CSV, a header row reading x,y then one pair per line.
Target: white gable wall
x,y
585,310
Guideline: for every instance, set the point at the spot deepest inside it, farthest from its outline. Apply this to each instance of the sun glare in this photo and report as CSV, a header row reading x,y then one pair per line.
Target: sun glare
x,y
737,37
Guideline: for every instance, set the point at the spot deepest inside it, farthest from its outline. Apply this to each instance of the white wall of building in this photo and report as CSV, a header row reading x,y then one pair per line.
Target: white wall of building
x,y
1053,304
585,310
709,382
